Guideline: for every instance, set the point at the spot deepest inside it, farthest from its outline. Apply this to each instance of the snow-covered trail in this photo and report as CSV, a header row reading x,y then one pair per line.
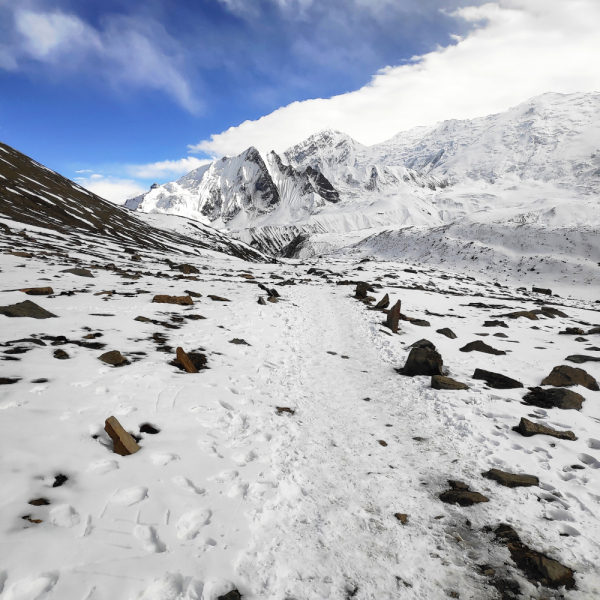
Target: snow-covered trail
x,y
330,532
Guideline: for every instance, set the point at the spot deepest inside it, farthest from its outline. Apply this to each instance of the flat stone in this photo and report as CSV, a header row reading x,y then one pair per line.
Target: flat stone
x,y
481,346
27,308
218,298
114,358
554,311
545,291
527,428
565,376
9,380
495,324
461,494
440,382
496,380
40,291
423,361
180,300
554,398
528,314
185,361
79,272
511,480
500,335
272,299
572,331
61,354
579,359
239,341
447,332
402,518
124,444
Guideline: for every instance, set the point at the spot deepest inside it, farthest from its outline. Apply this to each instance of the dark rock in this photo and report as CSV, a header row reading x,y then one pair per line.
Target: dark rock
x,y
554,311
186,269
393,317
272,299
41,291
500,335
528,314
79,272
61,354
9,380
511,480
383,303
536,290
565,376
554,398
273,293
495,324
39,502
527,428
447,332
496,380
180,300
572,331
26,308
232,595
114,358
423,344
582,358
480,346
186,363
284,409
239,342
361,290
439,382
382,443
261,300
193,294
218,298
124,444
423,361
402,518
198,360
59,480
461,494
419,322
149,429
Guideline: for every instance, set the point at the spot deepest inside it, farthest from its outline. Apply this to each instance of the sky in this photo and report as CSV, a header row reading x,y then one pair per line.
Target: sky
x,y
119,94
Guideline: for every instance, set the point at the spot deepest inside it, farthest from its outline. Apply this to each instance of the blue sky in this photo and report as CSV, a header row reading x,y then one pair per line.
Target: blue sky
x,y
122,93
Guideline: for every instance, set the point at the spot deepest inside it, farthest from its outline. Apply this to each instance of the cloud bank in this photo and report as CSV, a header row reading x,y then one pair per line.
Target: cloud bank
x,y
517,49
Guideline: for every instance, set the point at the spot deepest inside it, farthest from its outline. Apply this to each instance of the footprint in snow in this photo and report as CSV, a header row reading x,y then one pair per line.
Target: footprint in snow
x,y
169,587
64,516
32,588
149,538
187,485
160,460
129,496
103,466
190,524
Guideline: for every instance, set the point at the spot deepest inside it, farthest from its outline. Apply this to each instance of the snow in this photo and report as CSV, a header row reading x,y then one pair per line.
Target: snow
x,y
231,494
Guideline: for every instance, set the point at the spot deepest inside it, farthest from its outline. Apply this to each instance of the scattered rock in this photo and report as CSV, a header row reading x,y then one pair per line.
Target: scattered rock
x,y
59,480
186,269
554,311
284,409
9,380
402,518
447,332
511,480
272,299
500,335
382,443
528,314
61,354
124,444
232,595
423,361
273,293
149,429
554,398
565,376
261,300
572,331
361,290
440,382
197,359
536,290
165,299
582,358
26,308
218,298
495,324
527,428
114,358
496,380
39,502
461,494
41,291
185,361
383,303
239,342
393,317
423,344
481,346
79,272
193,294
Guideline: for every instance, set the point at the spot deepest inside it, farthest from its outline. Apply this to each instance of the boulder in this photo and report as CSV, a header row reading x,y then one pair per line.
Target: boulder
x,y
79,272
579,359
481,346
565,376
186,269
496,380
439,382
231,595
423,361
528,428
461,494
545,291
554,311
26,308
61,354
185,361
447,332
495,324
554,398
40,291
124,444
166,299
511,480
393,317
423,344
114,358
361,290
383,303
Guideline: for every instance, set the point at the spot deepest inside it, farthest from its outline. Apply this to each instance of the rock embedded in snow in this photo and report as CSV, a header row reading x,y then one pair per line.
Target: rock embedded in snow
x,y
403,518
185,361
393,317
26,308
218,298
528,314
272,299
480,346
497,380
579,359
565,376
495,324
124,444
114,358
461,494
423,361
572,331
528,428
511,480
362,290
447,332
61,354
261,300
440,382
554,398
40,291
180,300
383,303
80,272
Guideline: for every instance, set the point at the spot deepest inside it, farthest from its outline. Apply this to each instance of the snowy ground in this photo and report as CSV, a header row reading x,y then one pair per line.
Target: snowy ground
x,y
230,493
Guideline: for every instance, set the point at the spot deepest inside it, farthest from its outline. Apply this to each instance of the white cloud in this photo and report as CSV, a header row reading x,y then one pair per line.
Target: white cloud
x,y
518,49
112,188
166,168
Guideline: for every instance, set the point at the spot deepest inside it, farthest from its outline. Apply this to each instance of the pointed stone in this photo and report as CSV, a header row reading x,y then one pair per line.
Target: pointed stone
x,y
261,301
124,444
423,361
565,376
393,317
185,361
384,302
528,428
481,346
26,308
447,332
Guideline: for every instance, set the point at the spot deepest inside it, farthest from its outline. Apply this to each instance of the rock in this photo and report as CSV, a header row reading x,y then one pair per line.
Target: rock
x,y
124,444
554,398
26,308
41,291
554,311
149,429
284,409
393,317
495,324
572,331
361,290
536,566
527,428
239,342
593,331
261,300
21,254
185,361
79,272
582,358
500,335
423,344
511,480
232,595
383,303
246,276
496,380
440,382
114,358
447,332
382,443
565,376
480,346
536,290
39,502
272,299
186,269
165,299
272,292
193,294
402,518
199,360
528,314
218,298
59,480
462,495
423,361
9,380
61,354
